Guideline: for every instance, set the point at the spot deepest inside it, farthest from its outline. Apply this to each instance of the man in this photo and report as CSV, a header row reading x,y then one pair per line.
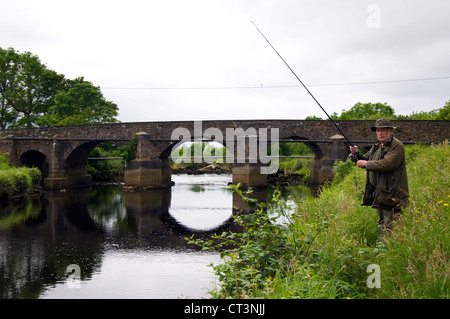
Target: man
x,y
387,182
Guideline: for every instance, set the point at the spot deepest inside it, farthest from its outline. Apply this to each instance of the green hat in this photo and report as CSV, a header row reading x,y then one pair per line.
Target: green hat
x,y
382,123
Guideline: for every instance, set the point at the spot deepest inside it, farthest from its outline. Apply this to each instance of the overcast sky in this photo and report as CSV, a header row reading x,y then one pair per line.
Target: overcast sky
x,y
203,59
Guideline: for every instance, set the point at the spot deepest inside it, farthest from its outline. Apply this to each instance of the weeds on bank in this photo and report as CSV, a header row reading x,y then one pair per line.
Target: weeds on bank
x,y
16,180
416,262
325,248
265,251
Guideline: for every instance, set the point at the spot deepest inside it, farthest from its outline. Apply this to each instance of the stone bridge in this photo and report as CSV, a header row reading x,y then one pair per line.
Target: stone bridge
x,y
62,152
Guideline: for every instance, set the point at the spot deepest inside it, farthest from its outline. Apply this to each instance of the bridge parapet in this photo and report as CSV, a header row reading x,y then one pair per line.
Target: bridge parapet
x,y
417,131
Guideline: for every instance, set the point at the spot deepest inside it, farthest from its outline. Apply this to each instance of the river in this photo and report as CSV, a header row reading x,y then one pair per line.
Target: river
x,y
107,243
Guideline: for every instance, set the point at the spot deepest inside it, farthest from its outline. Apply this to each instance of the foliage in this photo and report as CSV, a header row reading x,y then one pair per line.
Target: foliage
x,y
206,150
366,111
182,157
8,69
313,117
373,111
299,166
263,249
416,262
4,161
15,180
81,103
104,170
442,113
33,95
330,240
27,88
342,170
19,213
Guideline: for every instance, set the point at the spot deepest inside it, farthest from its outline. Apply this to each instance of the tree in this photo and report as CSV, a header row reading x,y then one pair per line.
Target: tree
x,y
81,103
8,73
313,117
30,87
33,95
437,114
367,111
444,112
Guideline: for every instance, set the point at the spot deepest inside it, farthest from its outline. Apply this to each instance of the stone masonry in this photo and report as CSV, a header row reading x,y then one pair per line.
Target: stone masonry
x,y
61,152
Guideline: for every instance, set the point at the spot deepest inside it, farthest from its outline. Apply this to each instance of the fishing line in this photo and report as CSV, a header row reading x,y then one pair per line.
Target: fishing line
x,y
303,84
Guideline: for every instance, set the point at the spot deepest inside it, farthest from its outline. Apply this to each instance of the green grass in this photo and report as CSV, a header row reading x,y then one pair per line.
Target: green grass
x,y
325,250
416,259
17,180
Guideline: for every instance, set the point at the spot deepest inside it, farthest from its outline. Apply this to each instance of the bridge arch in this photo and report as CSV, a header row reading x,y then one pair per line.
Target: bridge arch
x,y
69,163
209,156
76,161
33,158
313,146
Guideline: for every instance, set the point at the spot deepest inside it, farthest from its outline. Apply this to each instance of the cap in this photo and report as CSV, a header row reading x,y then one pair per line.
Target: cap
x,y
382,123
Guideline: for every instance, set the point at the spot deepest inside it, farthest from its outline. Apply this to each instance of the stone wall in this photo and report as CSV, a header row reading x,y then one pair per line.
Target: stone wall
x,y
417,131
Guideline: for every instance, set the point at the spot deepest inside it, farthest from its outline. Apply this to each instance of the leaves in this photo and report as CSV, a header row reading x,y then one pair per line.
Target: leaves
x,y
367,111
33,95
262,249
81,103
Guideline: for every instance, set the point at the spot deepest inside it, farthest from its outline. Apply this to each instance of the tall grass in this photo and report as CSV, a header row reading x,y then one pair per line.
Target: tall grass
x,y
336,239
415,263
14,181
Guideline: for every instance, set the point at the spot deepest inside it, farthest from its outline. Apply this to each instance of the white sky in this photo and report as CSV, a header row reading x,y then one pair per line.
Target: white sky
x,y
209,45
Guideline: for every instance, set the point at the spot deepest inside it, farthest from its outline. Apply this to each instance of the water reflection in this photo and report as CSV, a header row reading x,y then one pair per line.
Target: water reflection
x,y
36,252
127,244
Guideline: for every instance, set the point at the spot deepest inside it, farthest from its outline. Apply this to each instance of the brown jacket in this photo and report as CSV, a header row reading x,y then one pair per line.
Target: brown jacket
x,y
391,191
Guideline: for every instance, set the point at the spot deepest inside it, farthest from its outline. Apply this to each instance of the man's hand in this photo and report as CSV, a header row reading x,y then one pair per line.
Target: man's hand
x,y
354,149
361,163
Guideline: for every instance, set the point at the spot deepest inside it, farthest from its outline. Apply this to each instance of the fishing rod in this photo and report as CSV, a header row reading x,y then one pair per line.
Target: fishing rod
x,y
303,85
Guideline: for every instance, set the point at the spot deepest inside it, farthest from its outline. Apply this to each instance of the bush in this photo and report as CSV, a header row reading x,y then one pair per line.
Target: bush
x,y
15,180
104,170
263,250
35,175
3,161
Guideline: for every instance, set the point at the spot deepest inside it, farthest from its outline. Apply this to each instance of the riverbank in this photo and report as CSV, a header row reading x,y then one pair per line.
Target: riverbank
x,y
330,247
17,182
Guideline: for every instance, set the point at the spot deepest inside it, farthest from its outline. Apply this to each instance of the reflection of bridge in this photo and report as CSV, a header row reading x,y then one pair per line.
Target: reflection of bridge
x,y
71,227
62,152
146,215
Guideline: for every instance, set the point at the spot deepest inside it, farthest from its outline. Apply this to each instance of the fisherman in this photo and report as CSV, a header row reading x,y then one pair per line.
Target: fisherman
x,y
387,183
